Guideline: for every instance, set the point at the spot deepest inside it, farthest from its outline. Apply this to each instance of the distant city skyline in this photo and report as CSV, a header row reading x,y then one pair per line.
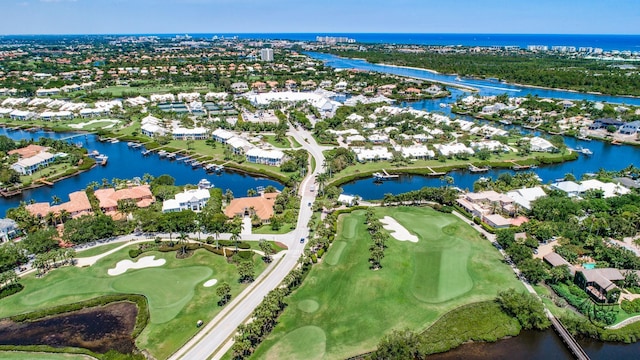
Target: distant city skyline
x,y
328,16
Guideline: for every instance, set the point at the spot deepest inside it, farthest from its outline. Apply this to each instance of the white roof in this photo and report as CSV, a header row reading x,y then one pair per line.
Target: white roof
x,y
34,160
265,154
609,189
236,142
541,143
346,199
153,128
193,195
150,119
417,151
569,187
185,131
525,196
452,149
371,154
223,134
171,204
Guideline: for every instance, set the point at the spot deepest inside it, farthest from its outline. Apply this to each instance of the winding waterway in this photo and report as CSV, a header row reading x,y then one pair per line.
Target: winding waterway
x,y
610,157
124,163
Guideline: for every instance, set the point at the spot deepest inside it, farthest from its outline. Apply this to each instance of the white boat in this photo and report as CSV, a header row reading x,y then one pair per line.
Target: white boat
x,y
443,105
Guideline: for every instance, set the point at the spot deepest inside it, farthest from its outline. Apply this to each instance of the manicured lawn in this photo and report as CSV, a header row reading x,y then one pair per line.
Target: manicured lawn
x,y
271,139
266,229
177,299
294,142
98,250
343,308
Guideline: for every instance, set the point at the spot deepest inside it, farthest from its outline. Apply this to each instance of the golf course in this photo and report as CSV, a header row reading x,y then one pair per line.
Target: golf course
x,y
173,287
343,308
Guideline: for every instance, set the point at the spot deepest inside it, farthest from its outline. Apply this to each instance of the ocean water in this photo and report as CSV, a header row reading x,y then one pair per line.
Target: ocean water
x,y
605,42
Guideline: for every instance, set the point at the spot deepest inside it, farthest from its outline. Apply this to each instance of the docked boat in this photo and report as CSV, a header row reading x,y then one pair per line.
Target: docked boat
x,y
205,184
115,141
384,176
162,153
195,164
102,159
443,105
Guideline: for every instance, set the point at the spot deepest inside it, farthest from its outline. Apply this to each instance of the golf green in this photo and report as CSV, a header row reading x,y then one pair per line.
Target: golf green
x,y
177,299
448,267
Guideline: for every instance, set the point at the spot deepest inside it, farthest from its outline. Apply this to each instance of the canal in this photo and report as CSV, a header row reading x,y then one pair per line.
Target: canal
x,y
125,163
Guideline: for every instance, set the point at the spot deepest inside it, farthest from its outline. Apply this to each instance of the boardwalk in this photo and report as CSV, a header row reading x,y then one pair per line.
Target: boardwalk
x,y
567,338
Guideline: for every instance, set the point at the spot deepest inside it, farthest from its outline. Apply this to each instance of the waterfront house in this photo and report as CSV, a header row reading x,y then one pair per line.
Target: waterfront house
x,y
180,133
453,149
608,189
630,128
151,126
417,152
261,206
8,229
525,196
376,153
604,123
21,115
571,188
78,205
108,198
539,144
239,145
600,284
496,221
222,135
265,157
194,199
47,92
29,165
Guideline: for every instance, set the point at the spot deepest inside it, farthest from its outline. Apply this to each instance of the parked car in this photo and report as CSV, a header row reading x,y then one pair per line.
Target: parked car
x,y
302,241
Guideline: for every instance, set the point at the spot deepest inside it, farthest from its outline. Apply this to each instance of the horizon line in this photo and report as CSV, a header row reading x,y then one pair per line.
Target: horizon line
x,y
313,32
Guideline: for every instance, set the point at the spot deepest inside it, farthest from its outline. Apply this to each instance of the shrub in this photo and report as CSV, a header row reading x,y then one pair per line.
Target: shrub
x,y
134,253
320,253
10,290
245,255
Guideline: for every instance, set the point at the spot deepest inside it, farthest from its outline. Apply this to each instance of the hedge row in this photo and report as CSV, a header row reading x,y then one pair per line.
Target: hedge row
x,y
10,290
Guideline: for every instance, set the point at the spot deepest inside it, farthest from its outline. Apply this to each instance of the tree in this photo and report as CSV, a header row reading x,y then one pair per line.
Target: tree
x,y
525,307
182,242
400,344
267,249
533,270
246,271
55,200
559,274
224,292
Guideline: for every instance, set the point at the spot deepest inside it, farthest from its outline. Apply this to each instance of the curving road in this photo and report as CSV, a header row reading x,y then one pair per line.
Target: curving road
x,y
217,336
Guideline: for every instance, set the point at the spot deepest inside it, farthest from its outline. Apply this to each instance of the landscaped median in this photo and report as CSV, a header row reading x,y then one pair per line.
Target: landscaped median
x,y
177,297
344,308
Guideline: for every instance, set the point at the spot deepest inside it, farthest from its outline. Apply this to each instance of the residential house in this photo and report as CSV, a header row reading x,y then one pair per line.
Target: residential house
x,y
108,198
239,87
194,199
556,260
260,206
453,149
78,205
8,229
266,157
539,144
525,196
630,128
600,284
604,123
222,135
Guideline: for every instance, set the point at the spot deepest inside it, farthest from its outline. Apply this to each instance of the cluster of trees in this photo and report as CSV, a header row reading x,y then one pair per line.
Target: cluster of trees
x,y
264,319
521,253
507,182
11,256
584,226
9,280
53,259
523,68
285,209
441,195
378,239
525,307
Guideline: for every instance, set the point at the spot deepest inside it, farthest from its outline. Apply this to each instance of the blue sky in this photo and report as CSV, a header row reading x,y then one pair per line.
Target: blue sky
x,y
323,16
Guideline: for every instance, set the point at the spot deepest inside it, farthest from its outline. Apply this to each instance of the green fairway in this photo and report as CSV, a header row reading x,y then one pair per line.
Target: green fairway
x,y
175,292
17,355
343,308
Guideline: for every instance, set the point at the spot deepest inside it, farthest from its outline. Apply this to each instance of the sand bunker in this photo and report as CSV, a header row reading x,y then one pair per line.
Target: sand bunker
x,y
145,262
210,283
396,230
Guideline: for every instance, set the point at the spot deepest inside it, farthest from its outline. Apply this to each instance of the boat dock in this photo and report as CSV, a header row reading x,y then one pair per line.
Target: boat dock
x,y
384,176
162,153
435,173
147,152
214,168
183,158
134,145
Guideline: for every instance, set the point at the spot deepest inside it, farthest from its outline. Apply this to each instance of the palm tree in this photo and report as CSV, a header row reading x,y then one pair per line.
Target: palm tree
x,y
182,242
235,233
55,200
94,185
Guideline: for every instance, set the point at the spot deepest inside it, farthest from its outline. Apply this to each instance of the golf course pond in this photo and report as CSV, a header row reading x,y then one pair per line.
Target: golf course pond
x,y
98,329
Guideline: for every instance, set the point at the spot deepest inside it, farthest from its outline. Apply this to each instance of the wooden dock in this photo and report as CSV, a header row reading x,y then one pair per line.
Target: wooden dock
x,y
475,169
44,181
435,173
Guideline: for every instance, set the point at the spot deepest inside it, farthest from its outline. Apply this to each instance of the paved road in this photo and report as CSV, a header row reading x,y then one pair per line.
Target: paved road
x,y
217,336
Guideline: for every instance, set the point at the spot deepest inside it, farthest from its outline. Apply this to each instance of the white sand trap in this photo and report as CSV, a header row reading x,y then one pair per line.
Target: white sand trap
x,y
396,230
210,283
145,262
